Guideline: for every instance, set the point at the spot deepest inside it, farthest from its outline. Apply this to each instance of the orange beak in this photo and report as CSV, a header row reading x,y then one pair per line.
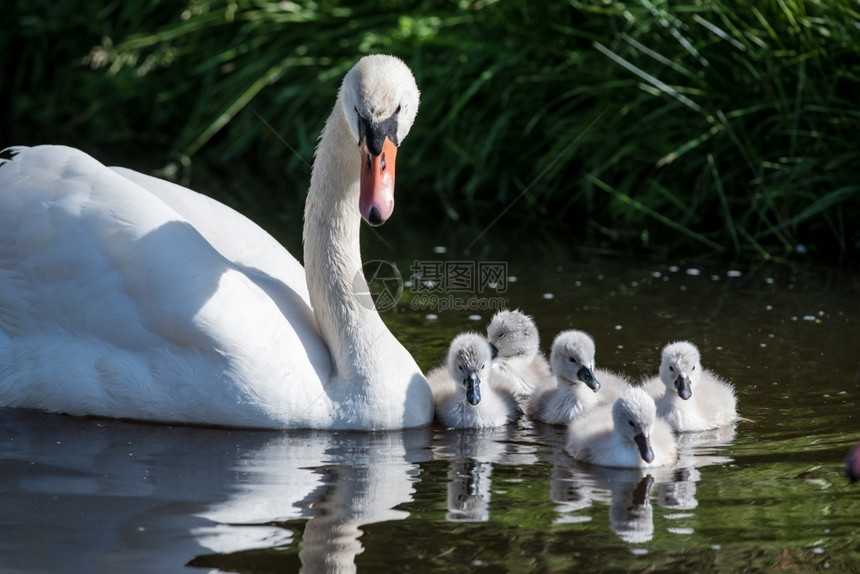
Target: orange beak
x,y
376,184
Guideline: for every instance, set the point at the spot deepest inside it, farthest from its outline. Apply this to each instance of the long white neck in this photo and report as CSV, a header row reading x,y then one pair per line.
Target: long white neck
x,y
350,325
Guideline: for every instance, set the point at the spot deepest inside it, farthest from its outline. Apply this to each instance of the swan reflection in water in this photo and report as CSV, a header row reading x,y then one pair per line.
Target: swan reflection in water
x,y
336,481
472,454
469,491
576,486
84,495
125,497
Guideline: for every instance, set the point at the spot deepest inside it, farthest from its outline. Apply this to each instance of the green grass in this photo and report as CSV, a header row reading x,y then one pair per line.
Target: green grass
x,y
725,127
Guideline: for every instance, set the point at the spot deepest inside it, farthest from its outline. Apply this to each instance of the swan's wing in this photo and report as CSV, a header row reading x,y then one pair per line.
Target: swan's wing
x,y
235,236
251,252
113,300
56,268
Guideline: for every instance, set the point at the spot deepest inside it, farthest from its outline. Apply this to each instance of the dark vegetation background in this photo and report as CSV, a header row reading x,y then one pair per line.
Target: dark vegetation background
x,y
724,127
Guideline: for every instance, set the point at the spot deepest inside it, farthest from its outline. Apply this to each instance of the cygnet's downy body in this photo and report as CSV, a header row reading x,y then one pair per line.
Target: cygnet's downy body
x,y
689,397
518,365
625,434
462,393
578,385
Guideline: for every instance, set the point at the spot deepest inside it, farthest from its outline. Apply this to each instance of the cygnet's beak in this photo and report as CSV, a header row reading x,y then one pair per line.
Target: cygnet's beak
x,y
682,383
473,388
586,376
494,351
376,183
644,444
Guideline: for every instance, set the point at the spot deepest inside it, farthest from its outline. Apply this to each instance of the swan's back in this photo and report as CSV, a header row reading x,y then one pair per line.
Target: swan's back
x,y
233,235
95,319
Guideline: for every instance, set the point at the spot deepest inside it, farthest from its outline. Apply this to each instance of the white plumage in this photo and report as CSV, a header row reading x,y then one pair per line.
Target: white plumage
x,y
462,390
578,385
691,398
122,295
518,366
624,434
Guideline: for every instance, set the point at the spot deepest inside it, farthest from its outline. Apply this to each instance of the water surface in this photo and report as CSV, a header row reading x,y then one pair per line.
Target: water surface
x,y
85,495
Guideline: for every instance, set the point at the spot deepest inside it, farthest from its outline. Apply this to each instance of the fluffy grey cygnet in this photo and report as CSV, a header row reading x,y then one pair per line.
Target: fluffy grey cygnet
x,y
462,393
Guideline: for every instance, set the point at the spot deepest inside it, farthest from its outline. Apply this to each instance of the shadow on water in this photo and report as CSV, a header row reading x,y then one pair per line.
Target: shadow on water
x,y
84,495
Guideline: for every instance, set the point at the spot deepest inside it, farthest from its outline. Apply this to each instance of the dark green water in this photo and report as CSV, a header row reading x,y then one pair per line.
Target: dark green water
x,y
81,495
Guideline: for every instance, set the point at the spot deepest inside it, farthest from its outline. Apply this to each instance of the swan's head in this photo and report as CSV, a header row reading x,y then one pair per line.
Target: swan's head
x,y
680,367
634,414
513,334
469,359
380,100
572,358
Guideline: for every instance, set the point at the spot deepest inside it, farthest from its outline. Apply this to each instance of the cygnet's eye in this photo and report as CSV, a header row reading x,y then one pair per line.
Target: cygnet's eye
x,y
397,111
460,368
694,368
631,423
672,369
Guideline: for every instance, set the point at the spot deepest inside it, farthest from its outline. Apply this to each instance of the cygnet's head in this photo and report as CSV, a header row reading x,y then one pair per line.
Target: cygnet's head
x,y
634,413
513,334
379,98
572,358
680,367
469,358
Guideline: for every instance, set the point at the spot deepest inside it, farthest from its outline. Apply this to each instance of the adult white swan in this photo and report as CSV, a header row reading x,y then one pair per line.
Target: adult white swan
x,y
126,296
